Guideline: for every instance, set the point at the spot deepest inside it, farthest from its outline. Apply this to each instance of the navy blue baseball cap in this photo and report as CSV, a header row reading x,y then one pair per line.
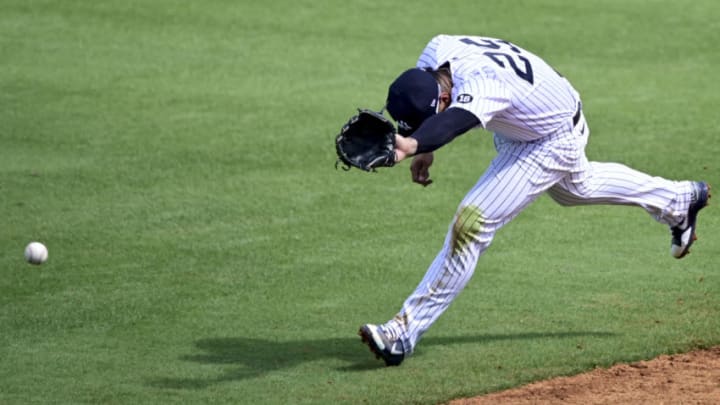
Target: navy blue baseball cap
x,y
412,98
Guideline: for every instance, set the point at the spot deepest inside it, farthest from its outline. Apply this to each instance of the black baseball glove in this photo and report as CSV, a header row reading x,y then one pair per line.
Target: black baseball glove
x,y
367,141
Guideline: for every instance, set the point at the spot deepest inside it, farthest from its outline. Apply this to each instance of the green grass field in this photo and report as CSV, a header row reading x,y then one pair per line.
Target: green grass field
x,y
177,159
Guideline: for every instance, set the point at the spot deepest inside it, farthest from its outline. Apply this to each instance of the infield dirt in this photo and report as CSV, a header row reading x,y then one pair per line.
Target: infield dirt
x,y
691,378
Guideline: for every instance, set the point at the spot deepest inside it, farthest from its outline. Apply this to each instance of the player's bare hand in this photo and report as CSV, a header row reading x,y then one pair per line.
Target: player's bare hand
x,y
404,147
420,168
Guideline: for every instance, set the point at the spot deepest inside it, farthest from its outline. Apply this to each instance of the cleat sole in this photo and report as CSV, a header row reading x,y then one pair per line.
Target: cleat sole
x,y
366,340
694,235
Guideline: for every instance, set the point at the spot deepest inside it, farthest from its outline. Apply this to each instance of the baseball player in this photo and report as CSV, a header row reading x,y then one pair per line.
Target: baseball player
x,y
465,82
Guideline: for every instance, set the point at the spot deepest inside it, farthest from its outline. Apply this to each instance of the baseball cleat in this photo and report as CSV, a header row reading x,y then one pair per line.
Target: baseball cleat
x,y
683,235
392,353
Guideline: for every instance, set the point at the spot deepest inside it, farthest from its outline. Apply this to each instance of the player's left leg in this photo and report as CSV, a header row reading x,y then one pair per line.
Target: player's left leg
x,y
517,176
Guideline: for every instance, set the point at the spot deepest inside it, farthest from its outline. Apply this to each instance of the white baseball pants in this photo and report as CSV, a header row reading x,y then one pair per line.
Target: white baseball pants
x,y
520,173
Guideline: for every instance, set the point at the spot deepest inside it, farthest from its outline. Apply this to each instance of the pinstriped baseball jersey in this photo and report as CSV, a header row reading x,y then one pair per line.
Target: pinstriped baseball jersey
x,y
540,138
512,91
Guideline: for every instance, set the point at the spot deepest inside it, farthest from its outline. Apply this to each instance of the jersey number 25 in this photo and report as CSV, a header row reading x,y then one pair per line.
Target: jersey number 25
x,y
525,72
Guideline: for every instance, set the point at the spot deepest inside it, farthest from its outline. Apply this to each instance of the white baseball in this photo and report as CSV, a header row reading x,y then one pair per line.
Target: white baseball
x,y
36,253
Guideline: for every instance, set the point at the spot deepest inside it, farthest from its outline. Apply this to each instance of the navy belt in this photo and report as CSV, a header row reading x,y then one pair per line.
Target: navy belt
x,y
578,113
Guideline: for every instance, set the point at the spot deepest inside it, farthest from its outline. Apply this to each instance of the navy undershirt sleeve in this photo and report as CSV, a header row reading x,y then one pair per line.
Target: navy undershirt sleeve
x,y
442,128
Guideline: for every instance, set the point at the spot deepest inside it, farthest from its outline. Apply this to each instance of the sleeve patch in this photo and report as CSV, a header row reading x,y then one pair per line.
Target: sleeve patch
x,y
464,98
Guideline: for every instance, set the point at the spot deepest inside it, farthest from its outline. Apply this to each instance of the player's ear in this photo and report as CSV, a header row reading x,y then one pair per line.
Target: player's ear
x,y
444,100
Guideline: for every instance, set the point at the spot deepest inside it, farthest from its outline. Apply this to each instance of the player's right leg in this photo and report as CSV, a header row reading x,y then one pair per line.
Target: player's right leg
x,y
674,203
683,235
